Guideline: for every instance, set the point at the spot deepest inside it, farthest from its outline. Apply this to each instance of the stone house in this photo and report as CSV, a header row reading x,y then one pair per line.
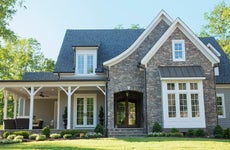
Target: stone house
x,y
163,73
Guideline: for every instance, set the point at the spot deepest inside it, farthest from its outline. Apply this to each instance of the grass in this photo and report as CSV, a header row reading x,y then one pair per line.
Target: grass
x,y
125,143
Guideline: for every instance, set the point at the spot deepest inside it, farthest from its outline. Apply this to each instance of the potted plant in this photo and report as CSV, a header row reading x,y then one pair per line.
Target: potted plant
x,y
64,116
101,116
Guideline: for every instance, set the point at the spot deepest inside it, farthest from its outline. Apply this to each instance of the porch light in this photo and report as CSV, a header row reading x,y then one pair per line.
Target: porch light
x,y
127,94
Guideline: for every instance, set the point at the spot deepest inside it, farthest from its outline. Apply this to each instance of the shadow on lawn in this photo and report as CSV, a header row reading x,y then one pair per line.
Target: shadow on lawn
x,y
39,147
162,139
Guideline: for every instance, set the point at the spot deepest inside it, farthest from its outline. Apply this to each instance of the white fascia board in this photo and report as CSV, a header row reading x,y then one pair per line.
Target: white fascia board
x,y
213,49
184,78
178,23
161,16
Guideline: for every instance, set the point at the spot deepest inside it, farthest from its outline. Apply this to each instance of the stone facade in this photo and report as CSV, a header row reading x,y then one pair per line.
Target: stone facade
x,y
126,76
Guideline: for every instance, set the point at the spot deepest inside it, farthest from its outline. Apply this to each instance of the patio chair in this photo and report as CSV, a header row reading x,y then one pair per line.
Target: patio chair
x,y
38,124
9,124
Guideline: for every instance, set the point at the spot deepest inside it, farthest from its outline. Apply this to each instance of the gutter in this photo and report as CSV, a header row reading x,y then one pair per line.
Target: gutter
x,y
145,95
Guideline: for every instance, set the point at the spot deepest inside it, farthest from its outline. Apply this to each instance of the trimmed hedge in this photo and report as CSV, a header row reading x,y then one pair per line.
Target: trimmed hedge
x,y
74,133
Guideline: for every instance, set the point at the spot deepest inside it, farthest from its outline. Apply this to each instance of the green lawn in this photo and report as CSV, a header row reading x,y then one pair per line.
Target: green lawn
x,y
126,143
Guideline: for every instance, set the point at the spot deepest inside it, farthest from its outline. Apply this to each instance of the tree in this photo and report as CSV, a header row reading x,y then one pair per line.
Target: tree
x,y
132,26
7,9
219,25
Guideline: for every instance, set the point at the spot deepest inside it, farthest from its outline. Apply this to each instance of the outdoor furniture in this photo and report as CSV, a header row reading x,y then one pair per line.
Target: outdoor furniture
x,y
22,123
38,124
9,124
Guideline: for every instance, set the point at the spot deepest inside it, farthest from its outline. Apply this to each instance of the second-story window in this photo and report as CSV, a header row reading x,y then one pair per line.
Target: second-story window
x,y
178,50
86,62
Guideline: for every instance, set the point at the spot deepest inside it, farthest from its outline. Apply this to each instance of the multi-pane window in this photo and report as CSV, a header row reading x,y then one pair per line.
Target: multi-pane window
x,y
178,50
86,62
220,105
183,100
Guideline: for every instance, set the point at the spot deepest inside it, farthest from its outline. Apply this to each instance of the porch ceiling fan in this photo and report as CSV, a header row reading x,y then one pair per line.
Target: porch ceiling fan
x,y
43,95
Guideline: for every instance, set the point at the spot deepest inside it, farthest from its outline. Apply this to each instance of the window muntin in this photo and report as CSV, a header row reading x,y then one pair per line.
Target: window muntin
x,y
170,86
178,50
220,105
171,106
195,105
86,62
183,105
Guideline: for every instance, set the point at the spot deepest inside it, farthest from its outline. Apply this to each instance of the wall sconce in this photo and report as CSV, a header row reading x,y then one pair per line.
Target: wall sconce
x,y
127,94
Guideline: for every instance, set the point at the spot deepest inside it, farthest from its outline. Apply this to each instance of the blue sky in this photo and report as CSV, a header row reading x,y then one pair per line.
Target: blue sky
x,y
47,20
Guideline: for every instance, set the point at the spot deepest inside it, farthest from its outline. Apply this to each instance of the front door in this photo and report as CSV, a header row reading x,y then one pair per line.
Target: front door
x,y
85,111
128,106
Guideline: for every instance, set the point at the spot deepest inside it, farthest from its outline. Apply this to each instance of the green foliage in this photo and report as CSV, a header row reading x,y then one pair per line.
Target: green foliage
x,y
67,136
163,134
101,116
33,136
55,136
40,137
218,132
174,130
219,25
25,134
11,137
46,131
7,133
190,133
157,127
227,133
18,137
99,129
199,133
75,133
92,135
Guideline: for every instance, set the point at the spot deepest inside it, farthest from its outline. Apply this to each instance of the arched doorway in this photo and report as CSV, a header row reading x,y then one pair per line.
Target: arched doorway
x,y
128,106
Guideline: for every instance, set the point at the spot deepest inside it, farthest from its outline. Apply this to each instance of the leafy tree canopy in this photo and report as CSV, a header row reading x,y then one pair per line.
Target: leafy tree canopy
x,y
219,25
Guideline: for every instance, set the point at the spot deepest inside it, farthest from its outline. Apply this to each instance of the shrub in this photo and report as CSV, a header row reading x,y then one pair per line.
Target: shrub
x,y
6,134
55,136
19,137
218,131
25,134
46,131
6,141
227,133
41,137
157,127
93,135
67,136
190,133
199,133
174,130
11,137
156,134
74,133
33,136
99,129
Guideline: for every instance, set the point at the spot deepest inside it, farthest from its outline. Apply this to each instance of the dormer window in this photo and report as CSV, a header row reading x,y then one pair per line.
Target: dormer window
x,y
178,50
86,60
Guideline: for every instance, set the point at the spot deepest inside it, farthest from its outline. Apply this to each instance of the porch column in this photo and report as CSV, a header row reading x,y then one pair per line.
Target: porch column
x,y
32,92
15,105
69,93
58,110
5,104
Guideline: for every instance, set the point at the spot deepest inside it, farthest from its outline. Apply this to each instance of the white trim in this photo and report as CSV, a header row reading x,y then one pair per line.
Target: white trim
x,y
183,122
183,50
222,86
184,78
85,96
216,71
213,50
191,36
161,16
223,105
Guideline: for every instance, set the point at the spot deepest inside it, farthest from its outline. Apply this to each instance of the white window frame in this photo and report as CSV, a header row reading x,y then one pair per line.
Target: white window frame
x,y
85,96
178,121
223,105
183,50
85,52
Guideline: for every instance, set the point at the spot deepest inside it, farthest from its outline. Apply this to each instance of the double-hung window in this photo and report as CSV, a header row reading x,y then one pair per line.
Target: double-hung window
x,y
220,105
178,50
86,62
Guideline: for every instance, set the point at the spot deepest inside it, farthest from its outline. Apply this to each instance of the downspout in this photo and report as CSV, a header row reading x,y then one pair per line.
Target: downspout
x,y
145,95
216,65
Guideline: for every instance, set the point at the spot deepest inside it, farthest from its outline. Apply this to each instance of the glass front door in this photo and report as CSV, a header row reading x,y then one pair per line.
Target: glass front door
x,y
85,108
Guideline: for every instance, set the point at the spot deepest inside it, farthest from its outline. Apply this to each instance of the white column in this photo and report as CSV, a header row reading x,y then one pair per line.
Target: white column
x,y
69,107
15,105
5,104
58,110
31,108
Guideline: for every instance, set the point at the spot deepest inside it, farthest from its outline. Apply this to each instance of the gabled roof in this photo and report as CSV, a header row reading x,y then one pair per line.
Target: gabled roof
x,y
224,65
161,16
111,43
39,76
178,23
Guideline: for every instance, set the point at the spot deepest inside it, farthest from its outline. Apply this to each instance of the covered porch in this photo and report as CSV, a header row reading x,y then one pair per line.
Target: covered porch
x,y
47,101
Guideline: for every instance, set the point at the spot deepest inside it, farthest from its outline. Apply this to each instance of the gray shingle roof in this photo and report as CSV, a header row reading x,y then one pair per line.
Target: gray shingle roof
x,y
111,43
224,66
40,76
181,71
